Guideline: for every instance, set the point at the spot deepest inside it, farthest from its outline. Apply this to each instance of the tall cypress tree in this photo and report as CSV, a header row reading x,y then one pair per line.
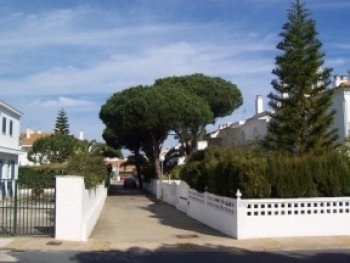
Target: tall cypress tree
x,y
62,125
301,115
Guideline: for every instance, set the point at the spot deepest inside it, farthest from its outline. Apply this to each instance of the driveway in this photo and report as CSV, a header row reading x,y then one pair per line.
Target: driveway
x,y
130,216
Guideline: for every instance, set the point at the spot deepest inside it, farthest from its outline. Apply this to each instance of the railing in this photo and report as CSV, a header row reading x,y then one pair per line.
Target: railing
x,y
26,211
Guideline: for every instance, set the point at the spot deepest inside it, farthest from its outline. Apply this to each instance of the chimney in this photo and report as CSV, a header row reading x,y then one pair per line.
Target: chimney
x,y
81,135
29,133
339,79
259,104
336,81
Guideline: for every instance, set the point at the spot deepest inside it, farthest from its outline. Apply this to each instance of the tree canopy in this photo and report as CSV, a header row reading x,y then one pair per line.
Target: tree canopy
x,y
301,116
204,99
55,148
222,96
140,118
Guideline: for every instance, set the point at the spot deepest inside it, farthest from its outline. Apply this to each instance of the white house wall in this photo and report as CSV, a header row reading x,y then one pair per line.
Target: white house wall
x,y
7,140
254,130
341,103
251,130
9,143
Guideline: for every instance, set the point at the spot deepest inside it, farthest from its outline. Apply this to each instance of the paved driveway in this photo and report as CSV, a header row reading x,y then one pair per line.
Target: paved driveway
x,y
130,216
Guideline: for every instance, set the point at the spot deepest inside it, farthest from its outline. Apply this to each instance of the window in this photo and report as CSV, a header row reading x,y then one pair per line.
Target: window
x,y
3,125
11,128
12,166
1,167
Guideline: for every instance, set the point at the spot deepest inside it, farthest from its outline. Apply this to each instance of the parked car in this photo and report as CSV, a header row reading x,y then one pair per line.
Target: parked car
x,y
122,177
129,183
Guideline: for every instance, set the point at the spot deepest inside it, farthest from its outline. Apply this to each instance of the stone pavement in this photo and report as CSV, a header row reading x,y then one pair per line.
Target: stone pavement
x,y
132,221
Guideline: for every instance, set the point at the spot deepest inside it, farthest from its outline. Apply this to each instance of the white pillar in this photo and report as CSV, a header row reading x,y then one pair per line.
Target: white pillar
x,y
81,135
238,216
69,210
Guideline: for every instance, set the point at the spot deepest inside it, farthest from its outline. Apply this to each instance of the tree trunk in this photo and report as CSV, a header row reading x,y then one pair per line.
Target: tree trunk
x,y
156,152
138,169
194,141
182,142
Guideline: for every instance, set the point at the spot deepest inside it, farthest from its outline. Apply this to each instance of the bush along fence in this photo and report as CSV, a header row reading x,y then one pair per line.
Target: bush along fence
x,y
258,218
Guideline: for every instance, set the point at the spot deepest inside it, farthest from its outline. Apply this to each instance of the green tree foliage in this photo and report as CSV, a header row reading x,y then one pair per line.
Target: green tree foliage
x,y
102,149
301,118
39,176
62,125
55,148
122,128
91,167
140,118
222,97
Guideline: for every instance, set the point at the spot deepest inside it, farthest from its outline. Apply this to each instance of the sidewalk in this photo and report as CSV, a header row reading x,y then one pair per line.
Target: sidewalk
x,y
131,221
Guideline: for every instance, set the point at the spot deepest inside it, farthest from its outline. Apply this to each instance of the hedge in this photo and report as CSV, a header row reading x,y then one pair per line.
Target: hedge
x,y
93,168
39,176
223,171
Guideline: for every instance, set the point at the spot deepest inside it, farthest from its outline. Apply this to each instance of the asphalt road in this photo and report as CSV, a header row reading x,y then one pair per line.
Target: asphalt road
x,y
175,257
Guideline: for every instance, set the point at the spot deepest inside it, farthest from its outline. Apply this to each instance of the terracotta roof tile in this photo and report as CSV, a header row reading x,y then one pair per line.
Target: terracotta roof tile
x,y
33,137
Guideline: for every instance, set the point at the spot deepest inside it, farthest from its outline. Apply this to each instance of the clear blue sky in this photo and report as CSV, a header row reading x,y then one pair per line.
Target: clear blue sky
x,y
75,54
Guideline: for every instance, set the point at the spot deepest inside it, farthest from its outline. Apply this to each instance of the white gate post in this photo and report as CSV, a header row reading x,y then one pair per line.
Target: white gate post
x,y
238,215
69,210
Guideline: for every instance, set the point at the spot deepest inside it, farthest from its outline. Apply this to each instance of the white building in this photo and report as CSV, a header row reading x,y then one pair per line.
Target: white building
x,y
255,128
341,103
242,132
26,142
9,146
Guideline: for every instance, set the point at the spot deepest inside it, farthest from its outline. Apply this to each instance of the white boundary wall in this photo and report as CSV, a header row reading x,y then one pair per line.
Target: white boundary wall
x,y
259,218
77,208
294,217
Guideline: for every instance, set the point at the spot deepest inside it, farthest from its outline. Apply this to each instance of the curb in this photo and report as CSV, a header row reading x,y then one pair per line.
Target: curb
x,y
5,242
261,245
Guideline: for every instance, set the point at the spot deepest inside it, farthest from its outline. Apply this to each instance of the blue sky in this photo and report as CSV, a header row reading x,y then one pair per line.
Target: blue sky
x,y
76,54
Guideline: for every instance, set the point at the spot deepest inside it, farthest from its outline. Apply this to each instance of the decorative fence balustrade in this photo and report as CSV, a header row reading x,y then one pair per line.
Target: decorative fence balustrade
x,y
297,207
294,217
193,195
257,218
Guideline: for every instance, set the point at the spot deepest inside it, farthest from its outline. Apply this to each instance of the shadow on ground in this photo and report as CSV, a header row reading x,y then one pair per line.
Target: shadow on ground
x,y
187,252
164,213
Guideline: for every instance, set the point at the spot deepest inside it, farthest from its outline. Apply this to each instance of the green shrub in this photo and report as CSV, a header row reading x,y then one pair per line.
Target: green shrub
x,y
92,168
291,176
194,174
39,176
309,175
223,171
174,173
229,170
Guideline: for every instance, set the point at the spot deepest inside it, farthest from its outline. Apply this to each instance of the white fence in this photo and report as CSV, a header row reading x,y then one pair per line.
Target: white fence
x,y
294,217
258,218
77,209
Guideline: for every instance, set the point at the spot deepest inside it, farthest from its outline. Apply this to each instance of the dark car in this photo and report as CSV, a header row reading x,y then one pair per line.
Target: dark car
x,y
130,183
